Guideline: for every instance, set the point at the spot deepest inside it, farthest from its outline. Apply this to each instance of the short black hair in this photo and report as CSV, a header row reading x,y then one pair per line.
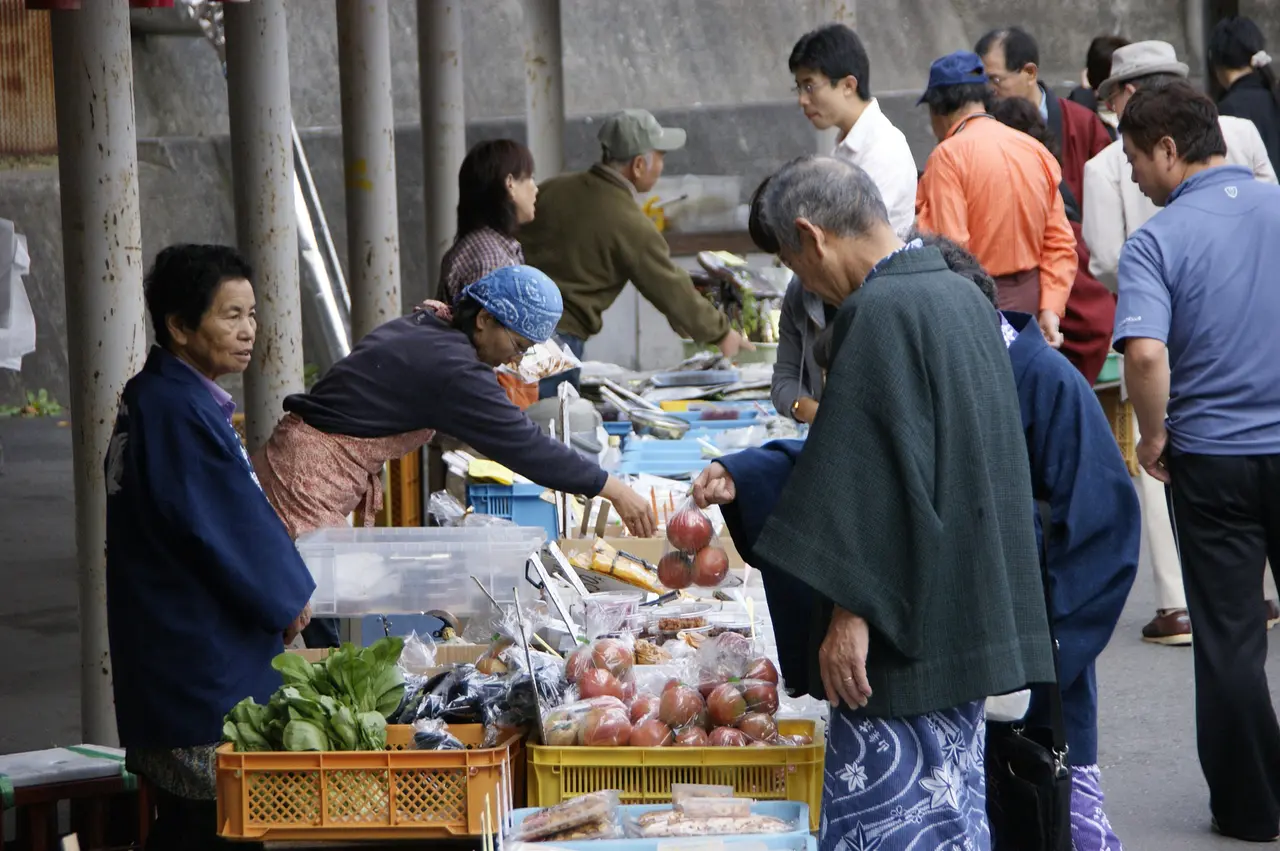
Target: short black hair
x,y
1097,63
1178,111
944,100
183,282
835,51
1234,41
758,226
961,262
483,199
1019,114
465,313
1020,49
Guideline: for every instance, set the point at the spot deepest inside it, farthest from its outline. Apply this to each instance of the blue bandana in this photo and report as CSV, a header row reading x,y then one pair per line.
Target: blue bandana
x,y
522,298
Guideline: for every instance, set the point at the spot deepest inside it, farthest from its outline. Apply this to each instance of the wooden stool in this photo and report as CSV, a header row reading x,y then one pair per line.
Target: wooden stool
x,y
93,803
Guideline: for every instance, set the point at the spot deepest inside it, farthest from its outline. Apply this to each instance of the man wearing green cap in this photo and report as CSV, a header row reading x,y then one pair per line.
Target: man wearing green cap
x,y
591,237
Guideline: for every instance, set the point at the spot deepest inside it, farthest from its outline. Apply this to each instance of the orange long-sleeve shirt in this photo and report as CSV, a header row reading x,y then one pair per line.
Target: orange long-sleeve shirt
x,y
994,190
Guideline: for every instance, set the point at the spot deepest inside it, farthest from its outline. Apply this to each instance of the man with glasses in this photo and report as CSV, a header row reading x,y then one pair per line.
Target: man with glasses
x,y
1012,59
832,84
1114,208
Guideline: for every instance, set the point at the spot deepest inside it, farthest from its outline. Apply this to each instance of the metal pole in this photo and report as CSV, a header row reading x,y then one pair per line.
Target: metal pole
x,y
263,186
444,126
834,12
544,85
369,157
102,254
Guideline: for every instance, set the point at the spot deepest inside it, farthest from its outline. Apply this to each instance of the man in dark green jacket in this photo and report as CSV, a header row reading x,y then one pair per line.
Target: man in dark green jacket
x,y
909,515
591,237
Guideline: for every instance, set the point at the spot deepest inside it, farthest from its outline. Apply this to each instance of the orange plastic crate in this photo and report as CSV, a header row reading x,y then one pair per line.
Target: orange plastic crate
x,y
399,793
645,775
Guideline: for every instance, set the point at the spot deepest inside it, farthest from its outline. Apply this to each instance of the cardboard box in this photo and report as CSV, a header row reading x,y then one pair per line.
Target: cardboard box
x,y
446,654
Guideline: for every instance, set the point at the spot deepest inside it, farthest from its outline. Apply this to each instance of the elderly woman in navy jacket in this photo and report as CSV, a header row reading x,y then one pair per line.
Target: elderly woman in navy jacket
x,y
204,585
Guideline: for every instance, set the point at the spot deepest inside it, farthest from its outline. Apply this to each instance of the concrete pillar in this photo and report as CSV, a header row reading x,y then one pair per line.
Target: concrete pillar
x,y
444,127
544,85
102,253
263,187
834,12
369,160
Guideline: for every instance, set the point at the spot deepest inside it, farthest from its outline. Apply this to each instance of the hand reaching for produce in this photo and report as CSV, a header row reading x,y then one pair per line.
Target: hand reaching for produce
x,y
842,659
631,507
732,343
295,629
714,486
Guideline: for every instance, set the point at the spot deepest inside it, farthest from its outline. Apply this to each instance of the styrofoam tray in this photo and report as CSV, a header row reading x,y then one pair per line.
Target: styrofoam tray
x,y
792,811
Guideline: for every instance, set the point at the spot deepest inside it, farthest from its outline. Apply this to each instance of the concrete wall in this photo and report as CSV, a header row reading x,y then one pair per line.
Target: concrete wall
x,y
716,67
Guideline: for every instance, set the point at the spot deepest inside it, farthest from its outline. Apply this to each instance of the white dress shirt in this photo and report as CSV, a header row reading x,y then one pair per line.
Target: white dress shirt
x,y
1114,207
879,148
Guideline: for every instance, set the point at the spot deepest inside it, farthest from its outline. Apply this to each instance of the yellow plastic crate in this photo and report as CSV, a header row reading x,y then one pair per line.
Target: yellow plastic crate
x,y
399,793
645,775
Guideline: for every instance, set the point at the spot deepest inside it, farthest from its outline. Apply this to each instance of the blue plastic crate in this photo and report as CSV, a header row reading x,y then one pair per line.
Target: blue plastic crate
x,y
520,503
796,840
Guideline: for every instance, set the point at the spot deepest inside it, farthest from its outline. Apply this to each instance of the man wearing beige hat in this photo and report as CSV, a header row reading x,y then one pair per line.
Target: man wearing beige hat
x,y
591,237
1114,208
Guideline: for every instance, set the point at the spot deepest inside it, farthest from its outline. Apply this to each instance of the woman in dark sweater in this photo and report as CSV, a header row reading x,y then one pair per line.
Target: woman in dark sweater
x,y
412,377
1238,56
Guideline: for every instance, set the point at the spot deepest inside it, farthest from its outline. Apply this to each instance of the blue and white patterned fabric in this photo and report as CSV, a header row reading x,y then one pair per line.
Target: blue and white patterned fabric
x,y
906,784
522,298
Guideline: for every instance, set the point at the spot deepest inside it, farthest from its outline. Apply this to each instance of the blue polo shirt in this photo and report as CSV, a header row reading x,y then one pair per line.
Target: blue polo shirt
x,y
1203,277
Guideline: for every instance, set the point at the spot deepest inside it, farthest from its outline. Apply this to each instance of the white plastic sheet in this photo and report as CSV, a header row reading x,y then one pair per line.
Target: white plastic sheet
x,y
17,321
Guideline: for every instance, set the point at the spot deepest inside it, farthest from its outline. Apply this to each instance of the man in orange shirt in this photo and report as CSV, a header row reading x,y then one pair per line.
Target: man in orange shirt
x,y
994,190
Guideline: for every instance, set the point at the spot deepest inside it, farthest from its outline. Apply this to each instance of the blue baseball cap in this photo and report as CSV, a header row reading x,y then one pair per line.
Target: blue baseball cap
x,y
955,69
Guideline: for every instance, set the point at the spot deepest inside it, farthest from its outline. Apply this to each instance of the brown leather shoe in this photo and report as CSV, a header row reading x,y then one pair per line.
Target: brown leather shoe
x,y
1171,627
1273,613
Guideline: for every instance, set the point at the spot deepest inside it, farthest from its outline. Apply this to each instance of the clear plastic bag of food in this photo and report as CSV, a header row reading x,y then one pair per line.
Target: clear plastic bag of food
x,y
598,809
603,667
694,555
566,725
445,509
718,806
418,656
432,734
680,792
662,824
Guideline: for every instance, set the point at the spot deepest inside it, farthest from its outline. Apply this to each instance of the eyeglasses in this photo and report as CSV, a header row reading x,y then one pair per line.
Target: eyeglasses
x,y
517,351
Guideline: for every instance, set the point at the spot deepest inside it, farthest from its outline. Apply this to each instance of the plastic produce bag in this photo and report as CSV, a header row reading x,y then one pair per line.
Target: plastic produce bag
x,y
603,667
566,725
694,554
433,735
17,321
419,655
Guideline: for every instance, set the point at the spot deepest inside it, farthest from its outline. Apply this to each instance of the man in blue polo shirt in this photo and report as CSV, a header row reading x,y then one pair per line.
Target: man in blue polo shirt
x,y
1198,320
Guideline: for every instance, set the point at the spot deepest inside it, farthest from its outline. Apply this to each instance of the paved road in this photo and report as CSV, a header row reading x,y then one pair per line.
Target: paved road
x,y
1156,795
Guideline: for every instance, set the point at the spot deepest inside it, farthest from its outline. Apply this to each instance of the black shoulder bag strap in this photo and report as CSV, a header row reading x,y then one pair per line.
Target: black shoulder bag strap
x,y
1055,691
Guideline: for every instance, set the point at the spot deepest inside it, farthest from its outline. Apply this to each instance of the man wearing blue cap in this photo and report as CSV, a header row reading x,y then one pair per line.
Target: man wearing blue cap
x,y
994,190
591,237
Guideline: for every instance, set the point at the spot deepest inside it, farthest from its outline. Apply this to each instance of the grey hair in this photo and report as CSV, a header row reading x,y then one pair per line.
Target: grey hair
x,y
619,165
837,196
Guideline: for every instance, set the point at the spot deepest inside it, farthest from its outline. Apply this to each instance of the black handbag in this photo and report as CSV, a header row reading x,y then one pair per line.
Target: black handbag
x,y
1028,771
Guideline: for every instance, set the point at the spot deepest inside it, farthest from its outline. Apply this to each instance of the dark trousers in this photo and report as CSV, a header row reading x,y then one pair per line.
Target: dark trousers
x,y
185,825
1226,512
320,633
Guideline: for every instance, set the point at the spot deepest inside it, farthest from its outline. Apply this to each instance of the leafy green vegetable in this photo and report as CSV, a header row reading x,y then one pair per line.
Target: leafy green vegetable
x,y
341,703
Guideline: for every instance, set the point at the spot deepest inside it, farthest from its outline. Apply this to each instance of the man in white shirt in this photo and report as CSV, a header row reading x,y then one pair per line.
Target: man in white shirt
x,y
832,75
1114,207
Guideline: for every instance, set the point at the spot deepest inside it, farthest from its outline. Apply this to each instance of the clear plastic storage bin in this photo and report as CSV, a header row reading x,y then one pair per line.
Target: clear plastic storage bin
x,y
410,570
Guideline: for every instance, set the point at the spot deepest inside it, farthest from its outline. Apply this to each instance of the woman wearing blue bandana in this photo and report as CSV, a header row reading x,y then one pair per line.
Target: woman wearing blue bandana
x,y
405,381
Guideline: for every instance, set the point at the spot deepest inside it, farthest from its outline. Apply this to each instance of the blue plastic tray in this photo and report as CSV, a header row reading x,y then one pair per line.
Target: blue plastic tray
x,y
792,811
520,503
744,414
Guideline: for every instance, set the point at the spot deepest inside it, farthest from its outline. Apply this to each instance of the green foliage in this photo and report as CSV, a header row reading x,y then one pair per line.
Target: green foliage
x,y
339,704
39,404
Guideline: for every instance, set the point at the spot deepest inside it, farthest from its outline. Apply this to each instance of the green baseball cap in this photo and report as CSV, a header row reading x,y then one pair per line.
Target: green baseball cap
x,y
635,132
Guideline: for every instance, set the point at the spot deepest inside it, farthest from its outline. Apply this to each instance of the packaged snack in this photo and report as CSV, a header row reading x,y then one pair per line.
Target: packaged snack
x,y
574,813
694,553
712,807
432,734
668,823
680,792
